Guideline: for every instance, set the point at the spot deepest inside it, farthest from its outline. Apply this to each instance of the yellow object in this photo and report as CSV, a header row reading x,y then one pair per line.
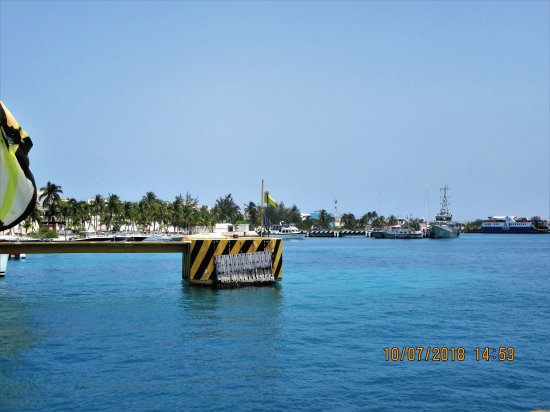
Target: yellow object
x,y
17,187
269,200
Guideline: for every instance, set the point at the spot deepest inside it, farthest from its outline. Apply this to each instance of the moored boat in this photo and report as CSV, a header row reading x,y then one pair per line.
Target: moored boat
x,y
398,232
96,238
286,232
513,224
443,226
377,234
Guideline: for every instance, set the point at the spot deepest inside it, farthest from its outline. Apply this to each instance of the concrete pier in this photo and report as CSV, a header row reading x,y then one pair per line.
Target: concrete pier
x,y
7,248
203,262
253,260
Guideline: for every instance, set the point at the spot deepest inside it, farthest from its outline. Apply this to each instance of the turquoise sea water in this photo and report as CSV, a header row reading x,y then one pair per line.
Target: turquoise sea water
x,y
95,332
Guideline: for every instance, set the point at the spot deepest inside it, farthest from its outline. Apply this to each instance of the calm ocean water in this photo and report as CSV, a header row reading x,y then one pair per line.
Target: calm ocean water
x,y
95,332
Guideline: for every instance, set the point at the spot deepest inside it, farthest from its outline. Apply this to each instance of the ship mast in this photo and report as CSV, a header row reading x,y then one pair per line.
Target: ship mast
x,y
444,212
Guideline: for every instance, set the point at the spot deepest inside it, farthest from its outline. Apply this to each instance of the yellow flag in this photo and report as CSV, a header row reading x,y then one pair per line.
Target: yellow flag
x,y
17,187
269,200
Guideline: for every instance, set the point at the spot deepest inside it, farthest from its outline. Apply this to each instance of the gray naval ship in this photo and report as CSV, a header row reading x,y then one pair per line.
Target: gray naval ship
x,y
443,226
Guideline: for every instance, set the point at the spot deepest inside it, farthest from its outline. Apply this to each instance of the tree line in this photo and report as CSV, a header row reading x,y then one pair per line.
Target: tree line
x,y
184,213
151,213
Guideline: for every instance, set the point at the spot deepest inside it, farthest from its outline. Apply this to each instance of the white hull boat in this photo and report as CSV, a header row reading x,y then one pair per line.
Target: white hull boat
x,y
291,232
398,232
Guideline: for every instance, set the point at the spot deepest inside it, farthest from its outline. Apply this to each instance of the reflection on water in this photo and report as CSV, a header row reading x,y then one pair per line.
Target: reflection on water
x,y
228,311
206,298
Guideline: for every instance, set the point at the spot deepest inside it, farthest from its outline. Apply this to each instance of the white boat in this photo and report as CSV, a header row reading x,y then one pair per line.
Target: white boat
x,y
513,224
286,232
97,238
158,238
443,226
91,236
14,238
398,232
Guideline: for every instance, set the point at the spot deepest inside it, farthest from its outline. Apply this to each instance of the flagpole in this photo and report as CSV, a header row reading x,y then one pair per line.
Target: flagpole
x,y
262,211
267,215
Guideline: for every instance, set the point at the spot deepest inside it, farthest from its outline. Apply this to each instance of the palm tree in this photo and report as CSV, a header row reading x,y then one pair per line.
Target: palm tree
x,y
348,221
324,219
98,206
27,224
112,208
176,209
81,214
368,218
150,197
205,217
50,199
74,212
188,213
161,214
392,220
129,214
226,209
36,215
67,211
251,212
147,206
143,215
293,215
64,210
379,221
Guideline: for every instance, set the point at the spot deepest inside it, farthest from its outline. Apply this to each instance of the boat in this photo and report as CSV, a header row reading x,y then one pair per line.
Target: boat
x,y
96,238
377,234
443,226
130,237
158,238
513,224
399,232
91,236
286,232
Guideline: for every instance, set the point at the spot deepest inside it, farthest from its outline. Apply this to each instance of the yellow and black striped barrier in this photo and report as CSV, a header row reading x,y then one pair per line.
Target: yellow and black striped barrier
x,y
201,267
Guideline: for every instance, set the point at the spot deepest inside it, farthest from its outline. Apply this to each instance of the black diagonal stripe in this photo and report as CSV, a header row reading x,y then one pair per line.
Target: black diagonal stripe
x,y
278,270
276,250
227,249
261,246
206,260
197,246
224,250
246,245
231,244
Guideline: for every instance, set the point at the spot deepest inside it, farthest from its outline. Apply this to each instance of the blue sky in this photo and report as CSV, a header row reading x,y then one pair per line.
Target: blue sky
x,y
365,102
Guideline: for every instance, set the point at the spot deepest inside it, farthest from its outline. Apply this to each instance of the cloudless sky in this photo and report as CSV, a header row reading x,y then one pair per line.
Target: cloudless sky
x,y
369,103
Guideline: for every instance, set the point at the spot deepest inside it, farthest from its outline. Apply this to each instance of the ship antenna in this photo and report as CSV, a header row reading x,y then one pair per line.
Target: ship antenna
x,y
427,204
444,202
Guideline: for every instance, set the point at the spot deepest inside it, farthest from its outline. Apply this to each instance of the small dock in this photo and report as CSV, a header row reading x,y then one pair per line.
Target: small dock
x,y
205,261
